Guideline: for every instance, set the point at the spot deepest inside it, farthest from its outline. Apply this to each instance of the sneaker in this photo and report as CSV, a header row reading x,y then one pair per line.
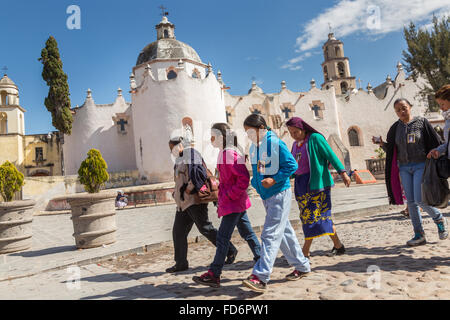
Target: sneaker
x,y
208,279
296,275
418,240
231,258
442,229
255,284
176,268
336,252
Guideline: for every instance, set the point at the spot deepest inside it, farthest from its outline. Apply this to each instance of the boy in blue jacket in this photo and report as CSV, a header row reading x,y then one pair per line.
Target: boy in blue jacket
x,y
272,165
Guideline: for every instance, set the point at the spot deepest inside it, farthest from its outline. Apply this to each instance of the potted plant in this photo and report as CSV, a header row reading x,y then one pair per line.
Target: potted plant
x,y
93,213
15,216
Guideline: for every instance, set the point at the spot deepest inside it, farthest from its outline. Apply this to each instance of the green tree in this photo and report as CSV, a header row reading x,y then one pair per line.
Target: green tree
x,y
11,181
428,56
57,101
92,173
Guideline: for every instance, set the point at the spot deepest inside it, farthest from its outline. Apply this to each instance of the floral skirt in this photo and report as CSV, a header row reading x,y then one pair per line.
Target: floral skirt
x,y
315,209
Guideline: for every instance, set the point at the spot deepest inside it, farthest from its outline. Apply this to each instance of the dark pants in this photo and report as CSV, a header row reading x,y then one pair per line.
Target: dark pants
x,y
184,220
229,222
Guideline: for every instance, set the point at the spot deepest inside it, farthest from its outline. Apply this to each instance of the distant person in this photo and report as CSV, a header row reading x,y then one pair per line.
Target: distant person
x,y
121,200
409,141
233,202
190,176
313,183
272,165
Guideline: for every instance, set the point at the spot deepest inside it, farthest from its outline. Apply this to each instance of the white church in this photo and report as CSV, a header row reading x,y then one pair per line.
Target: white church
x,y
173,92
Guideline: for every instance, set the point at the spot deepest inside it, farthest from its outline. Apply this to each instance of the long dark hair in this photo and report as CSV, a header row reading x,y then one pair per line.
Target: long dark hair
x,y
256,121
227,134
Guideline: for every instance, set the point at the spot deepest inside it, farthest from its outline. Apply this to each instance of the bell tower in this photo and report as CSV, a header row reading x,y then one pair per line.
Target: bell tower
x,y
336,67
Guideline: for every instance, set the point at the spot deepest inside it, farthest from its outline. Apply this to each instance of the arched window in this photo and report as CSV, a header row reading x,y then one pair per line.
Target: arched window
x,y
325,73
353,137
171,75
4,98
196,74
337,51
3,123
341,69
326,53
344,87
166,34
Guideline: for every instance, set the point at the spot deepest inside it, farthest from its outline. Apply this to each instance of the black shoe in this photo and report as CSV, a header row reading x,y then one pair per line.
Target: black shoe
x,y
176,268
208,279
231,258
336,252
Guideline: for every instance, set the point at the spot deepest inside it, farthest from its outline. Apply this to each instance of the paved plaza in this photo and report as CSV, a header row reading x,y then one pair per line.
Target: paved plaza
x,y
378,264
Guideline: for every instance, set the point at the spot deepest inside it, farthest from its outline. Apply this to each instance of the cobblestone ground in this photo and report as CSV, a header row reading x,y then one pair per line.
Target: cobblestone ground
x,y
377,265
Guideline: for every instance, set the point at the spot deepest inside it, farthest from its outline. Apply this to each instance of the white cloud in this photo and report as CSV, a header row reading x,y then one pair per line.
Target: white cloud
x,y
372,18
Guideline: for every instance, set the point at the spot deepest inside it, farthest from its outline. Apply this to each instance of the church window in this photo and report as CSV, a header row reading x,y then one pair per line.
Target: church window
x,y
256,109
4,97
344,87
325,73
287,109
39,154
353,137
188,129
326,53
166,34
196,74
3,123
341,69
317,108
171,75
337,51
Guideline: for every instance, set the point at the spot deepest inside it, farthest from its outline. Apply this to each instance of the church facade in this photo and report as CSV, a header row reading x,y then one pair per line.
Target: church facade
x,y
174,93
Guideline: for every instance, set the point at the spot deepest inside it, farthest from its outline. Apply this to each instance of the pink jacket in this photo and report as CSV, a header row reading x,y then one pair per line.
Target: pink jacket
x,y
234,181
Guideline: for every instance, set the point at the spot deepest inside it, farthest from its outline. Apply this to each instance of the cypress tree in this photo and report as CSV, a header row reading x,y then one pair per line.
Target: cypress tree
x,y
57,101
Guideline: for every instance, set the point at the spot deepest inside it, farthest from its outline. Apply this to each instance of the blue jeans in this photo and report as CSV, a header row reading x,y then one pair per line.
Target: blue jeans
x,y
227,225
279,234
411,176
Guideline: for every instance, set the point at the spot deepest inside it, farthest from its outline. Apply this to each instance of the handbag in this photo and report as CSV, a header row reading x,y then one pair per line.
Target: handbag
x,y
209,192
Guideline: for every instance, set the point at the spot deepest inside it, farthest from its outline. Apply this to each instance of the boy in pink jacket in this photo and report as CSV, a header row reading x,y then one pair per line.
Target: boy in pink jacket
x,y
232,203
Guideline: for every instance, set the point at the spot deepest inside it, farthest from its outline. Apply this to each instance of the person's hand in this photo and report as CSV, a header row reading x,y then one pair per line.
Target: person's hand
x,y
268,182
377,140
346,179
433,153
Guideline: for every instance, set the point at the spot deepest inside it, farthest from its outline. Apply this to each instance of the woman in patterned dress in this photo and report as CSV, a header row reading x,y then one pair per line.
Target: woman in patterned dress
x,y
313,182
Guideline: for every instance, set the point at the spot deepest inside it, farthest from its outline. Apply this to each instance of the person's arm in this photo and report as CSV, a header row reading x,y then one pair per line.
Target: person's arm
x,y
326,152
242,178
287,163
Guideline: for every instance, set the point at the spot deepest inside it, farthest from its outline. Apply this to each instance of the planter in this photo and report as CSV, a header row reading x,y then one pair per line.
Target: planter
x,y
15,225
94,219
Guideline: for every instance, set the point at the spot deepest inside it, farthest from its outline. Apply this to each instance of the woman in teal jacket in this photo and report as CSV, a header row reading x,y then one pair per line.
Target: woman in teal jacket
x,y
313,182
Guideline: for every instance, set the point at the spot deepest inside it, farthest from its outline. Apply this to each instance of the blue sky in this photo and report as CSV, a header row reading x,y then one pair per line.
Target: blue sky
x,y
268,40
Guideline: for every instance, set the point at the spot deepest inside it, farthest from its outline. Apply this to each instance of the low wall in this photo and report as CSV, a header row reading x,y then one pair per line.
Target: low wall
x,y
45,189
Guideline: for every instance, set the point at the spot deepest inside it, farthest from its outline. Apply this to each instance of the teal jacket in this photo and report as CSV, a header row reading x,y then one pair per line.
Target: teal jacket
x,y
320,154
276,161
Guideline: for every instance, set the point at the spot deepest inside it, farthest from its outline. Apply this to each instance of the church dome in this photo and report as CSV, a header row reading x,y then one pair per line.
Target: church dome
x,y
166,46
7,82
167,49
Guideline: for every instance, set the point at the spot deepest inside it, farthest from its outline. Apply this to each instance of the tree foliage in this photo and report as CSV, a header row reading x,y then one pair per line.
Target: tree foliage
x,y
57,101
428,56
92,173
11,181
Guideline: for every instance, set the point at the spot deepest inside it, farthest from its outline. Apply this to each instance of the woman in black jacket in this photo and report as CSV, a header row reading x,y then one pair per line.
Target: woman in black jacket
x,y
409,140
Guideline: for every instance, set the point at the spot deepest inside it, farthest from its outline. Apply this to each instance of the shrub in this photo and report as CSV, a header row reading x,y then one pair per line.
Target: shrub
x,y
92,173
11,181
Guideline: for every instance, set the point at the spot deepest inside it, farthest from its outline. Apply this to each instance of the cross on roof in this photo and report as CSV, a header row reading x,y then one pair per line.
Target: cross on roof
x,y
164,12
